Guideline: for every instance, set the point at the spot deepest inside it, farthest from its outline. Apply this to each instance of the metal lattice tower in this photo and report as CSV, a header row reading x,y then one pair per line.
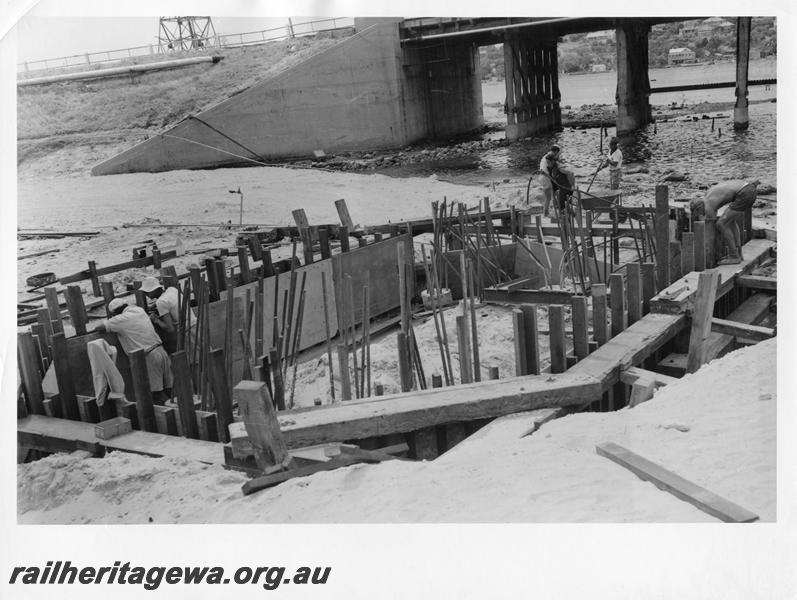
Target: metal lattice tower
x,y
185,33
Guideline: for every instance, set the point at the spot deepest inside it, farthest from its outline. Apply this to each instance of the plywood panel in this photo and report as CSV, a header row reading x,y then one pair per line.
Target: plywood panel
x,y
313,331
376,263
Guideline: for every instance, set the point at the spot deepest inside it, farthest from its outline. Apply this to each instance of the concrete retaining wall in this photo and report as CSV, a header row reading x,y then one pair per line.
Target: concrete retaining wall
x,y
358,95
354,96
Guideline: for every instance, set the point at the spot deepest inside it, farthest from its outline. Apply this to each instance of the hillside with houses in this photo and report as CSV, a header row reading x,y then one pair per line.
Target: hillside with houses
x,y
686,42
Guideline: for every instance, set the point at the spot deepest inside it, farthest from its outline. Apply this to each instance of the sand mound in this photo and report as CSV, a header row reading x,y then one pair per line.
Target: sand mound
x,y
715,427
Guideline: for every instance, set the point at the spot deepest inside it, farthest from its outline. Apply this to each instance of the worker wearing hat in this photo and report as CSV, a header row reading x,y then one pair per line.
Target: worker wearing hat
x,y
135,332
164,312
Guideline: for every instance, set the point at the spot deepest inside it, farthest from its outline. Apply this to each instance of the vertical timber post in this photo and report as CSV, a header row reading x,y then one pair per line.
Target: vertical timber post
x,y
741,119
662,230
633,85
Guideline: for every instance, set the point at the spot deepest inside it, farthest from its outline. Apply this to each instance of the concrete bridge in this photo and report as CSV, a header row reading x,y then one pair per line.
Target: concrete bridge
x,y
398,81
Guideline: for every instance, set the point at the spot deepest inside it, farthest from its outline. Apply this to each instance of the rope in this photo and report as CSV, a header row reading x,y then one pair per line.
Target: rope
x,y
224,135
257,162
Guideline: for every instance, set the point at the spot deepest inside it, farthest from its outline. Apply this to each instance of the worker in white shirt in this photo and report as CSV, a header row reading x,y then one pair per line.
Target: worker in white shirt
x,y
136,332
164,311
614,160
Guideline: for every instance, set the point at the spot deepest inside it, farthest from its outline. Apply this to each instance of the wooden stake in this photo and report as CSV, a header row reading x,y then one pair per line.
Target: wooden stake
x,y
477,376
30,368
618,303
532,343
221,392
327,332
297,345
580,333
262,427
76,308
599,326
243,264
51,297
464,351
405,374
277,380
556,324
519,335
142,391
323,240
185,398
701,319
95,282
699,230
343,367
687,252
352,338
662,227
648,285
633,273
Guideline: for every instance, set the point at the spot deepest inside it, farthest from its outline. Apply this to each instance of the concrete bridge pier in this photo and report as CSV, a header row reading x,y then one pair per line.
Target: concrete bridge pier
x,y
533,101
741,119
633,85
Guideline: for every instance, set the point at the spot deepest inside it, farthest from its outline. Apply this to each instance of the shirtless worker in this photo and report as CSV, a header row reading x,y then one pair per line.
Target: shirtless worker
x,y
136,332
738,195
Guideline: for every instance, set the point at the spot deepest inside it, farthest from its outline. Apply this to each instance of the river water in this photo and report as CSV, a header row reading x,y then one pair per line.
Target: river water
x,y
708,151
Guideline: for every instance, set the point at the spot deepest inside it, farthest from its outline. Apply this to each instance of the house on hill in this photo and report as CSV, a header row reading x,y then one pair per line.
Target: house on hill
x,y
713,25
601,36
680,56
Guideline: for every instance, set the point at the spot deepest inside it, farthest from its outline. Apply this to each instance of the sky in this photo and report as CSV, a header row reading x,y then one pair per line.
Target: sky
x,y
44,37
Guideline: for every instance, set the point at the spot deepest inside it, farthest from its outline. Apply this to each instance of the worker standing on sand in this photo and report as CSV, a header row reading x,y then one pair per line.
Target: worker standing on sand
x,y
164,312
614,160
739,196
136,332
554,177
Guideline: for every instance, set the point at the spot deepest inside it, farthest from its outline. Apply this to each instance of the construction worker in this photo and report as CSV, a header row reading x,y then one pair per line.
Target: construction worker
x,y
136,332
614,160
738,197
164,311
555,178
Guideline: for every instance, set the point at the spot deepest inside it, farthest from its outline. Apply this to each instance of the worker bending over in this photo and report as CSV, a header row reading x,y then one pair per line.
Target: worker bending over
x,y
555,178
136,332
738,196
164,311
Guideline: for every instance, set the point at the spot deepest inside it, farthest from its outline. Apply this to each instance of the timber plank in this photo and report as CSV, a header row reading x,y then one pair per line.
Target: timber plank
x,y
666,480
680,296
751,311
632,374
267,481
751,332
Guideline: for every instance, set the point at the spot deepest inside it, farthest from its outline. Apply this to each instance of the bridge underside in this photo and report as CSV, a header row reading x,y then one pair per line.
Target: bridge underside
x,y
397,82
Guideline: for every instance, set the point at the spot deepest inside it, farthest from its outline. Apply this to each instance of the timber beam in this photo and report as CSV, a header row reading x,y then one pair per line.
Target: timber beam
x,y
757,282
402,413
525,296
629,348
